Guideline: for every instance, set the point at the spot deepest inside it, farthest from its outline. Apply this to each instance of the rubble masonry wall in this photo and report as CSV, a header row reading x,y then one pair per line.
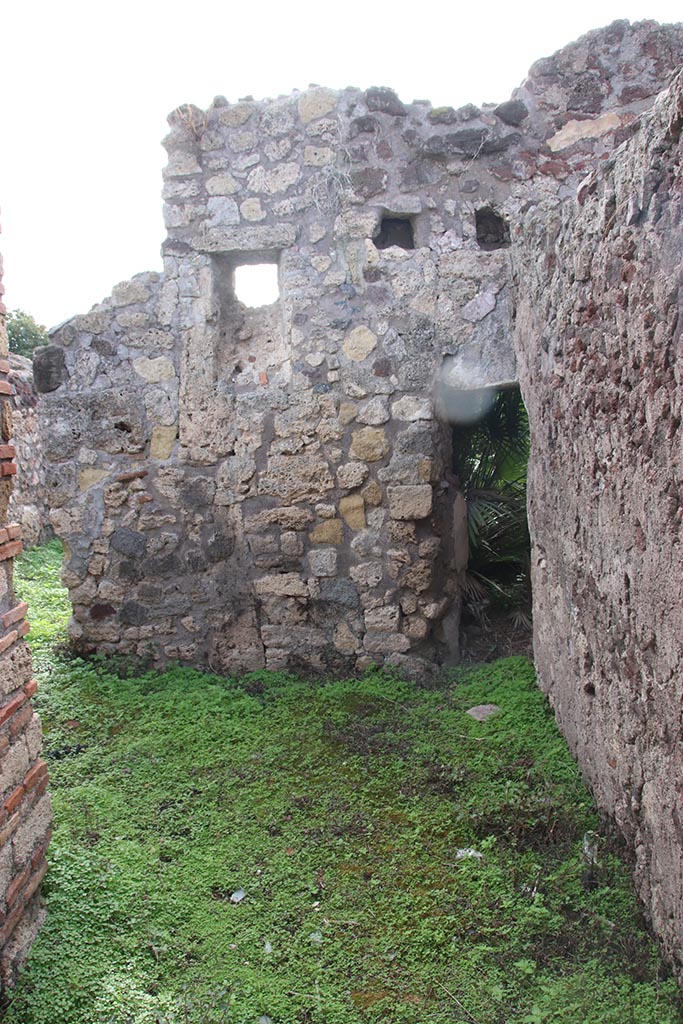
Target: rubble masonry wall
x,y
244,488
600,354
29,504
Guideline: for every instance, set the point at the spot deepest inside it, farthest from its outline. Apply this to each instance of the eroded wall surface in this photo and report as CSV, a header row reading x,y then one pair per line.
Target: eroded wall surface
x,y
25,811
29,504
244,488
600,352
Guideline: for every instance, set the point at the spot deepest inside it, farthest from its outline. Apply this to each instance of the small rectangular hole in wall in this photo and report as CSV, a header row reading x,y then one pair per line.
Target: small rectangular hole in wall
x,y
257,284
395,231
493,231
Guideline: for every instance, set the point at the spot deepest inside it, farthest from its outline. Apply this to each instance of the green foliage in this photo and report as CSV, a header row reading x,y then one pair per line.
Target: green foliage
x,y
345,812
36,578
24,333
490,459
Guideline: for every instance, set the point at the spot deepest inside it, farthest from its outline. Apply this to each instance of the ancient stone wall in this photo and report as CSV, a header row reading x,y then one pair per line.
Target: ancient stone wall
x,y
25,812
29,503
599,336
242,487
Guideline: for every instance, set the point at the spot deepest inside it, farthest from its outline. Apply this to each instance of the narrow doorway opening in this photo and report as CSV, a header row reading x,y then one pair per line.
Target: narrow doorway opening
x,y
490,451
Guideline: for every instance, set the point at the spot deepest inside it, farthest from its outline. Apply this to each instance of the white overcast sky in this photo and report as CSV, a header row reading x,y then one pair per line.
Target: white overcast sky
x,y
85,89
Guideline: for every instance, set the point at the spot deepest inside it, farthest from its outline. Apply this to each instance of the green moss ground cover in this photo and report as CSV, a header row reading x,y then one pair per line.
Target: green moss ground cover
x,y
272,851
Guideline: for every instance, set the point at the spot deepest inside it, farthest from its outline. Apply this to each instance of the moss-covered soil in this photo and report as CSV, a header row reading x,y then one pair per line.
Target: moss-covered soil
x,y
273,851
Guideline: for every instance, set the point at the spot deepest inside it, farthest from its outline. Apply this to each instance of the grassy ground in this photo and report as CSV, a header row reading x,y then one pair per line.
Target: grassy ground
x,y
269,851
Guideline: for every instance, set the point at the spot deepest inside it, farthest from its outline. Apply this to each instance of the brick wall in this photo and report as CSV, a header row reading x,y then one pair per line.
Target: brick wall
x,y
25,810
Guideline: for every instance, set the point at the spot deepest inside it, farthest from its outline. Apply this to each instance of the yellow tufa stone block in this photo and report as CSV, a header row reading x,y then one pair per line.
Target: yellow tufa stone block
x,y
359,343
316,103
154,370
369,444
347,412
163,439
87,478
344,640
372,492
352,510
331,531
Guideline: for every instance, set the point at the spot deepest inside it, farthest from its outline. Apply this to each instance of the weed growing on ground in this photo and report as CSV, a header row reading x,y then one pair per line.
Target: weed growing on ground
x,y
272,851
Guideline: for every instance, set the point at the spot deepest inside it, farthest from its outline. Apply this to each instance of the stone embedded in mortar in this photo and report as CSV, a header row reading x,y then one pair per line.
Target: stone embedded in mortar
x,y
162,442
352,474
576,131
352,510
369,444
359,343
49,368
372,493
479,307
281,585
156,370
373,411
294,478
412,408
513,112
330,531
316,103
88,477
410,501
383,620
323,561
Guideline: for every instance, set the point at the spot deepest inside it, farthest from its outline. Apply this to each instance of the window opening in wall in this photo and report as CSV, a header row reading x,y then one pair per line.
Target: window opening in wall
x,y
256,284
249,341
395,231
493,231
490,457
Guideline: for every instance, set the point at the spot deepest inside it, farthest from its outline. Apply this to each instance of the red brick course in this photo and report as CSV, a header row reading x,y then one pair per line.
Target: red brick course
x,y
14,799
15,916
36,779
10,550
11,707
8,640
19,721
14,614
16,885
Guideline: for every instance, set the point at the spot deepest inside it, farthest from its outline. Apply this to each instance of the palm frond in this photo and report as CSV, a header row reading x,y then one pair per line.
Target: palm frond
x,y
490,458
